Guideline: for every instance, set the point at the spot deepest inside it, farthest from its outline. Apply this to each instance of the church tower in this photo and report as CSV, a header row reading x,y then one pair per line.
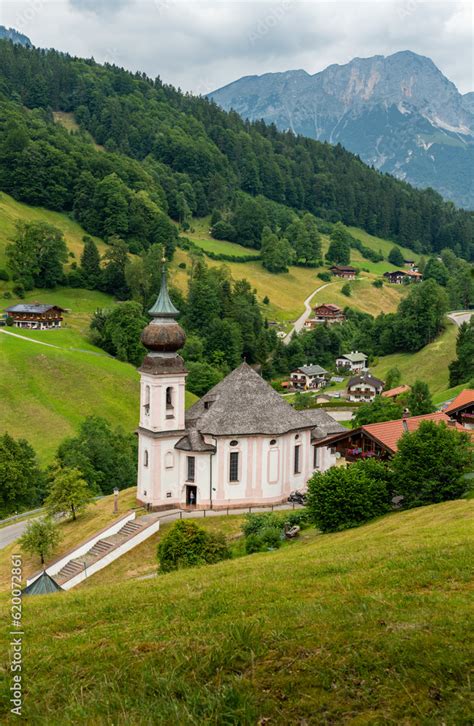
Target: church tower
x,y
162,403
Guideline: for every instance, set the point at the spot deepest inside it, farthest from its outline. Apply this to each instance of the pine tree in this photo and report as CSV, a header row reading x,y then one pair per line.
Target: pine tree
x,y
395,257
90,263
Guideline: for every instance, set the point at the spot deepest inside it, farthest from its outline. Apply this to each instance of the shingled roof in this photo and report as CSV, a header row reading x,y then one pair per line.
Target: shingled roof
x,y
36,308
324,424
243,403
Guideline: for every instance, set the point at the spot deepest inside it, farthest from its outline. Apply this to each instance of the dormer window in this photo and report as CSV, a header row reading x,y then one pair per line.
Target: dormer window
x,y
207,404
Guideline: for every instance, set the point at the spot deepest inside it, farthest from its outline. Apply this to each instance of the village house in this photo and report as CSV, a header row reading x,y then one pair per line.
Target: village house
x,y
353,361
398,277
241,444
36,316
326,313
364,388
394,393
378,440
346,271
309,376
462,409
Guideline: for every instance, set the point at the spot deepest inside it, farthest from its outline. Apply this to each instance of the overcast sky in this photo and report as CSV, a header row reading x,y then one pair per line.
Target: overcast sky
x,y
200,46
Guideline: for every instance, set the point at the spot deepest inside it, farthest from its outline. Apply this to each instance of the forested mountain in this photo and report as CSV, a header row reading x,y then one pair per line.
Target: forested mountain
x,y
145,150
399,113
14,36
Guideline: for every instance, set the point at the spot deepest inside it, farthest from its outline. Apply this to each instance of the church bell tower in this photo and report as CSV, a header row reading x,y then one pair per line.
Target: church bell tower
x,y
162,402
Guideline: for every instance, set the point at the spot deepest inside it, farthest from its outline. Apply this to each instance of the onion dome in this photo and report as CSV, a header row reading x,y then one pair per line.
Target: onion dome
x,y
163,334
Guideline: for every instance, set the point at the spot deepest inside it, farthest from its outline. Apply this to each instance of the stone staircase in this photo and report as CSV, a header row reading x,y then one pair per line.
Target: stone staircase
x,y
101,548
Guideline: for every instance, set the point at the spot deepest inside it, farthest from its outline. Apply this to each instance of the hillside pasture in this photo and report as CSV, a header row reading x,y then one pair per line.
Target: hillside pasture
x,y
430,364
334,628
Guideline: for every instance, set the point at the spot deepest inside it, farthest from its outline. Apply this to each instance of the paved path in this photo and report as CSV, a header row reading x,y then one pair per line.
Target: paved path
x,y
460,316
299,324
12,532
51,345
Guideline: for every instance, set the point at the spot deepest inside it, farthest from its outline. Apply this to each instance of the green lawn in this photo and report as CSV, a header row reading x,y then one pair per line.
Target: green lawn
x,y
429,364
368,626
46,392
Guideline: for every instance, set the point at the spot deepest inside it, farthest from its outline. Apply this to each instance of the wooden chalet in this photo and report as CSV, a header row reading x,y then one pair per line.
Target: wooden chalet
x,y
346,271
379,440
328,313
398,277
364,387
36,316
462,409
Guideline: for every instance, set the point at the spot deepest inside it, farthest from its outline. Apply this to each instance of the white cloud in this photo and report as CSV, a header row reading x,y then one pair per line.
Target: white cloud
x,y
200,46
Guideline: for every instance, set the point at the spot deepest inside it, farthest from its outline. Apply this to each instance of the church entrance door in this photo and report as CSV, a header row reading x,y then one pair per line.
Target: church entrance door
x,y
191,495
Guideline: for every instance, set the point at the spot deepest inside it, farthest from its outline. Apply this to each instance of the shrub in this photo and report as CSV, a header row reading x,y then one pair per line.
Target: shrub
x,y
253,543
7,294
256,523
266,300
430,463
188,545
182,265
4,275
19,291
325,276
377,283
346,497
346,290
271,537
297,518
223,230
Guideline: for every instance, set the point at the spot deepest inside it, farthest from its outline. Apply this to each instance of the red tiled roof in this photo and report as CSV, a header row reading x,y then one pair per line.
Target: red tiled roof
x,y
388,432
465,398
395,391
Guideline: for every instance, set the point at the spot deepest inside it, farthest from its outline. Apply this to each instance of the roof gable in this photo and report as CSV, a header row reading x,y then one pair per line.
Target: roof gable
x,y
463,399
37,308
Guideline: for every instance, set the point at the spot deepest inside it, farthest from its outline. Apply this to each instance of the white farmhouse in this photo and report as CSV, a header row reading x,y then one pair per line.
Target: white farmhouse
x,y
353,361
309,376
240,444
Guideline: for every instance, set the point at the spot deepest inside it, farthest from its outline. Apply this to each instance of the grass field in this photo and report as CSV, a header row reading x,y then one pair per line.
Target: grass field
x,y
429,364
12,211
287,291
368,626
46,392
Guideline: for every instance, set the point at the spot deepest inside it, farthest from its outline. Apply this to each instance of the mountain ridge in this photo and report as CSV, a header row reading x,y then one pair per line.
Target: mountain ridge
x,y
398,112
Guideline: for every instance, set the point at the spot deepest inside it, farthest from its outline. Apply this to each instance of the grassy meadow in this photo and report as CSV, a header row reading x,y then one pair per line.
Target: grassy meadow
x,y
367,626
430,364
12,211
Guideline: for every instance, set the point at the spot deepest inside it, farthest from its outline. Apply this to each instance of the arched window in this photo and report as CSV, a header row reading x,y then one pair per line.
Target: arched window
x,y
169,397
146,404
145,458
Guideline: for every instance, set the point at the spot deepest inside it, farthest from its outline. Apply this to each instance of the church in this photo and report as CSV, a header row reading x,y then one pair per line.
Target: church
x,y
240,445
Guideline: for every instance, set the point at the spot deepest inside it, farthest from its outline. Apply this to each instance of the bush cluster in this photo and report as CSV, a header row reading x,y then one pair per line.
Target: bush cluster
x,y
346,497
188,545
266,530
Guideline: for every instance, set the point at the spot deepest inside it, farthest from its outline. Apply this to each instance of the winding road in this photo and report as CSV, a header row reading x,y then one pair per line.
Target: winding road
x,y
460,316
299,324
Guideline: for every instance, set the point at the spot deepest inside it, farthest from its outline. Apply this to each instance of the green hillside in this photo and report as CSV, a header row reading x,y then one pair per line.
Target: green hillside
x,y
12,211
287,291
430,364
342,628
45,392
